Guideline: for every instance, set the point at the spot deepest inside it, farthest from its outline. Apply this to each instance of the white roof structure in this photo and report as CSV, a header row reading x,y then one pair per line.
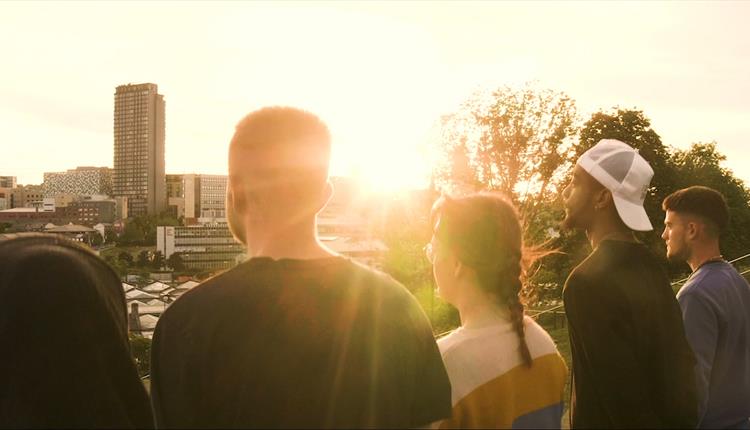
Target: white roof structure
x,y
148,322
138,294
20,210
155,302
187,285
156,287
127,287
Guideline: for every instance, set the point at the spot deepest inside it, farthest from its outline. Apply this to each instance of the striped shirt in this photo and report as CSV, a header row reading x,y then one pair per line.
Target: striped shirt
x,y
493,388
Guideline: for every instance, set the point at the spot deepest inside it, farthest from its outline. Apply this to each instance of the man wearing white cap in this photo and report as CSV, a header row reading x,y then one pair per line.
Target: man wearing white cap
x,y
632,365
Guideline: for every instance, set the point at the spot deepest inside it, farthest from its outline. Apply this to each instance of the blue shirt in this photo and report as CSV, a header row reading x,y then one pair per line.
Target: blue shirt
x,y
715,304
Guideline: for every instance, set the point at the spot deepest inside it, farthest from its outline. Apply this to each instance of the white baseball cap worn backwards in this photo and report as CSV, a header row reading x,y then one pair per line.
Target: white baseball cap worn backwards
x,y
619,168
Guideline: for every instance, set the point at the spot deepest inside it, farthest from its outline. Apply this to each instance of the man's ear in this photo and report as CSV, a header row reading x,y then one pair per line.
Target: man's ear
x,y
236,196
692,228
603,199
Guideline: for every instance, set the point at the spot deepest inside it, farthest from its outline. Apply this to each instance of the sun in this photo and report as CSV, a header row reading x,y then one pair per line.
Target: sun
x,y
385,168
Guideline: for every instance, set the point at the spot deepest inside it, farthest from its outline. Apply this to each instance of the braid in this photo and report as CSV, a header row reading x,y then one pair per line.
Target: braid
x,y
511,298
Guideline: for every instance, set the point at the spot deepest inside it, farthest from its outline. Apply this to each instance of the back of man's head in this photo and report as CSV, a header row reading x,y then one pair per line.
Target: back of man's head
x,y
278,161
705,203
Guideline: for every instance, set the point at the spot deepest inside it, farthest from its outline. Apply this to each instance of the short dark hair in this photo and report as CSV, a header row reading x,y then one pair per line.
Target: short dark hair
x,y
704,202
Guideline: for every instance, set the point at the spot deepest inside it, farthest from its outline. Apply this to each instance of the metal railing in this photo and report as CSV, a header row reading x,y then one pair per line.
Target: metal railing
x,y
535,314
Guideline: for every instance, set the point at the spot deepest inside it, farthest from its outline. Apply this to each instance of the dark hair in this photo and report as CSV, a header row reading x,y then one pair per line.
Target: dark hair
x,y
291,148
485,232
704,202
63,324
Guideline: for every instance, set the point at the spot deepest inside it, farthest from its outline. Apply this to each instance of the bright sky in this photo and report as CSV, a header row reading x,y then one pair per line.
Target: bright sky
x,y
380,74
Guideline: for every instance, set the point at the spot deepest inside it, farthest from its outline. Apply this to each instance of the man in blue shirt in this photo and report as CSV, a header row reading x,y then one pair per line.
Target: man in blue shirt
x,y
715,304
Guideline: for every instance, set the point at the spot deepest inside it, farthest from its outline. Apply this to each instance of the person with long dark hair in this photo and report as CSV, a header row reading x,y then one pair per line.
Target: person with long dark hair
x,y
505,370
65,360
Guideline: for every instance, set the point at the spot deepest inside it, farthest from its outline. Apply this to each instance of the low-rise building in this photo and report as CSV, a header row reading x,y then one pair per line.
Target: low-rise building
x,y
208,246
7,182
28,196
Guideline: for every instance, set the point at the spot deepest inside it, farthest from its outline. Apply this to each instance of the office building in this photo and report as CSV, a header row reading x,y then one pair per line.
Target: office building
x,y
203,247
27,196
197,196
139,148
213,191
81,181
7,182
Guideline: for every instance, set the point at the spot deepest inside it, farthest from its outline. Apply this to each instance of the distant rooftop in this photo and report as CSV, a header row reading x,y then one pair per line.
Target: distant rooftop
x,y
20,210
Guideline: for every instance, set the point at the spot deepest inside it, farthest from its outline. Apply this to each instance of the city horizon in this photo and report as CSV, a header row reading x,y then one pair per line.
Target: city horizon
x,y
381,88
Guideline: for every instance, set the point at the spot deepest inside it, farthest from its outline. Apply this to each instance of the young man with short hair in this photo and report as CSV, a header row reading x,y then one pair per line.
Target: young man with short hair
x,y
296,336
715,304
632,366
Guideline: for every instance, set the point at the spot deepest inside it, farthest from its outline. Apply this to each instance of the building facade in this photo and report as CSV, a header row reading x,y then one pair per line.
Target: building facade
x,y
202,247
92,212
82,181
27,196
139,132
7,182
213,191
6,198
197,196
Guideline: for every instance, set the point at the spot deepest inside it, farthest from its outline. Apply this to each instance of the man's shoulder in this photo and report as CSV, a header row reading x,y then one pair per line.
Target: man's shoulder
x,y
711,279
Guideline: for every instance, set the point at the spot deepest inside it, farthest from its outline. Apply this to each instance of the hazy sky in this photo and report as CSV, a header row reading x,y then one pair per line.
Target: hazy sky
x,y
378,73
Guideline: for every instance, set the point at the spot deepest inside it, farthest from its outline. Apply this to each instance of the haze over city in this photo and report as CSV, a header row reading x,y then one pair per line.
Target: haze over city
x,y
380,74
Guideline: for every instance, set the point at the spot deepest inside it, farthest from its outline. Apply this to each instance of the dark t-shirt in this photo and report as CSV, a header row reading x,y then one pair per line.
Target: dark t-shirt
x,y
632,365
297,343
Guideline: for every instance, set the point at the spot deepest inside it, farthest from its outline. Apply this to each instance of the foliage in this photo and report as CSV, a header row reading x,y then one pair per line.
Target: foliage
x,y
140,348
701,165
4,226
141,230
157,260
176,262
407,233
117,265
143,259
516,141
109,235
634,128
442,316
96,239
126,258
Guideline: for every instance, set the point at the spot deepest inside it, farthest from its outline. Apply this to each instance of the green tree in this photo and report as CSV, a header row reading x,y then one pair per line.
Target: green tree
x,y
143,259
140,348
157,260
634,128
126,258
176,262
700,164
4,226
96,239
141,230
516,141
109,235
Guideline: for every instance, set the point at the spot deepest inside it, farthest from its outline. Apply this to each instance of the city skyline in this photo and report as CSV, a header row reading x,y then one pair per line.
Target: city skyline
x,y
379,74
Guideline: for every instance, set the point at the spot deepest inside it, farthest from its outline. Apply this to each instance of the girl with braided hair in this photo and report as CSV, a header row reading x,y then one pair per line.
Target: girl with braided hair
x,y
504,369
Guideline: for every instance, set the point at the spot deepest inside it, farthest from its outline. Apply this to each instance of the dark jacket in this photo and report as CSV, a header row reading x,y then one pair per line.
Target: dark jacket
x,y
632,365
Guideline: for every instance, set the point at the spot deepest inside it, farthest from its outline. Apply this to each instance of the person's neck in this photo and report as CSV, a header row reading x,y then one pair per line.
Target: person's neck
x,y
299,242
480,313
699,255
605,229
